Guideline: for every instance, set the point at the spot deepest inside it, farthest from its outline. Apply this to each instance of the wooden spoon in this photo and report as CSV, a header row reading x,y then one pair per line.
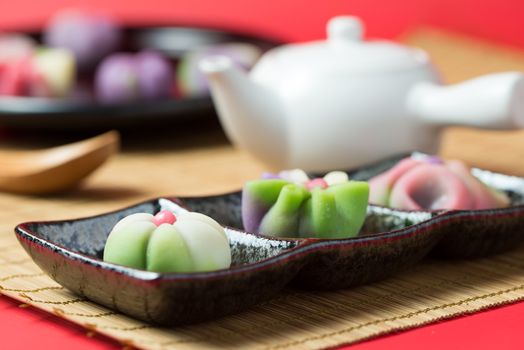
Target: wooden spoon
x,y
54,169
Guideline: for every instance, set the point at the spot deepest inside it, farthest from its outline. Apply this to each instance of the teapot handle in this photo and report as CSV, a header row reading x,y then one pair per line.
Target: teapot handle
x,y
492,101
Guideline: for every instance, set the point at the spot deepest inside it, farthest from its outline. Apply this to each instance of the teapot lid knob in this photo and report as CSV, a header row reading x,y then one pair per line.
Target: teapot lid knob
x,y
344,28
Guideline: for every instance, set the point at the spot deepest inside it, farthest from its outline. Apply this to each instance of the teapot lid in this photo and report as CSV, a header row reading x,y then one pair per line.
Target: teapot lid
x,y
345,51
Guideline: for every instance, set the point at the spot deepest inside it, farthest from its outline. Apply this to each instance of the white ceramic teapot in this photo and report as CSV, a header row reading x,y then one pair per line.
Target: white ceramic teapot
x,y
344,102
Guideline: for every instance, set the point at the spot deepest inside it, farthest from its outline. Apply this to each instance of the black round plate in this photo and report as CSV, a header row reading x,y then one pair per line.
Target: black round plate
x,y
48,114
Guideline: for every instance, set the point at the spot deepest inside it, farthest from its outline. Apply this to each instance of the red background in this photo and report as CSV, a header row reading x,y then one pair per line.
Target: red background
x,y
499,20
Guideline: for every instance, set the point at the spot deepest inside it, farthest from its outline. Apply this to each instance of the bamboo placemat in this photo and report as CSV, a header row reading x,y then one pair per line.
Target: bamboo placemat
x,y
204,163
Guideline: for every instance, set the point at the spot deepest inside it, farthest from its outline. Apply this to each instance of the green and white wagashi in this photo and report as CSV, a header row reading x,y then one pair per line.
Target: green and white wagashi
x,y
291,205
191,242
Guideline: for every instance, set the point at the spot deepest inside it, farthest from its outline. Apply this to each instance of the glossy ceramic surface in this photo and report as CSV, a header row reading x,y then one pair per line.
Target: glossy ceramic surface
x,y
320,101
391,240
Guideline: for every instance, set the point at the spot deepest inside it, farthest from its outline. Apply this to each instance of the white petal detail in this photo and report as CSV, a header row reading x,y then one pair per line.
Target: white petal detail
x,y
336,178
297,176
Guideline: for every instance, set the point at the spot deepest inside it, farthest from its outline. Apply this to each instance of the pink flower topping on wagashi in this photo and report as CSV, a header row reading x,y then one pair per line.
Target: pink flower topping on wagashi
x,y
432,183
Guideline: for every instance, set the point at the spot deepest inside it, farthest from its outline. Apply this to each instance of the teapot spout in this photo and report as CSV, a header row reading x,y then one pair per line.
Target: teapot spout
x,y
493,101
249,113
